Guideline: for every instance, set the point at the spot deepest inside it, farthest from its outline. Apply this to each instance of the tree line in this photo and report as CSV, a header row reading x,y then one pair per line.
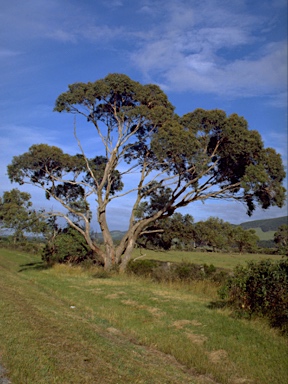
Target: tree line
x,y
213,235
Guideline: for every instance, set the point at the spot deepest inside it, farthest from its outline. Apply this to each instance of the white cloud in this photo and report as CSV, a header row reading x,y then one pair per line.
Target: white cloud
x,y
210,46
213,50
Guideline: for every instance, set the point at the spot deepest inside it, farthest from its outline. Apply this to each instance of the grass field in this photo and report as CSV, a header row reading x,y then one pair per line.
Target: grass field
x,y
269,235
219,260
68,325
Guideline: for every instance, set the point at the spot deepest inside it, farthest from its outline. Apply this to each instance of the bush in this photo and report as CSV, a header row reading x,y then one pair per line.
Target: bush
x,y
187,272
209,269
68,246
141,267
260,288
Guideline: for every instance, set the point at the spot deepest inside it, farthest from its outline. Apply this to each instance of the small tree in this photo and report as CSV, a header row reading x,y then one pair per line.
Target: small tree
x,y
244,239
16,214
68,245
213,232
201,155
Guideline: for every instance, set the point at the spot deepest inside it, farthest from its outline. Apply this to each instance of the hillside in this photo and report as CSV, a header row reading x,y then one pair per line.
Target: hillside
x,y
266,225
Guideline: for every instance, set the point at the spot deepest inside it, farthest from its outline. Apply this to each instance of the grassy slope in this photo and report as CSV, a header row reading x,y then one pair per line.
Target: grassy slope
x,y
266,224
269,235
124,331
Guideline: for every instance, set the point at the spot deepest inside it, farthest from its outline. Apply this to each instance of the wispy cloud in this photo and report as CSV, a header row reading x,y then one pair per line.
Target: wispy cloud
x,y
209,49
65,23
62,36
206,47
6,53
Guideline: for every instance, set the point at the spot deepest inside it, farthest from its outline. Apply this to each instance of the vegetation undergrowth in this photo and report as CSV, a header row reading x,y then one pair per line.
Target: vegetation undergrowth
x,y
260,288
175,272
69,324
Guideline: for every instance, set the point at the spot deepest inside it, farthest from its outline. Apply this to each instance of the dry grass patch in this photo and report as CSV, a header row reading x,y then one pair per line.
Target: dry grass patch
x,y
217,357
152,310
196,339
180,324
115,295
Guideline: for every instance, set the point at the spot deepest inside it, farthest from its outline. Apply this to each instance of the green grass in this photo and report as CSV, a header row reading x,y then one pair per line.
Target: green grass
x,y
63,325
219,260
269,235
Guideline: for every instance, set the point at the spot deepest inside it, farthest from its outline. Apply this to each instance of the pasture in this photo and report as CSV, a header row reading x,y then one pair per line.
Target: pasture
x,y
220,260
73,325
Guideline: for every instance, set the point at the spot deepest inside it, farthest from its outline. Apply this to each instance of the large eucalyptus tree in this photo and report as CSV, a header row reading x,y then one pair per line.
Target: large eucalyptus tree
x,y
177,161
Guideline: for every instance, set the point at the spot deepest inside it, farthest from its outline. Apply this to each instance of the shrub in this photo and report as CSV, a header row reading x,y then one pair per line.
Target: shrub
x,y
68,246
260,288
187,272
219,277
209,269
141,267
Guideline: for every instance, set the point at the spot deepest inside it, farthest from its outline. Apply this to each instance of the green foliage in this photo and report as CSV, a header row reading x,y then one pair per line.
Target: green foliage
x,y
267,246
180,230
68,246
177,229
142,267
214,233
187,272
260,288
244,240
43,165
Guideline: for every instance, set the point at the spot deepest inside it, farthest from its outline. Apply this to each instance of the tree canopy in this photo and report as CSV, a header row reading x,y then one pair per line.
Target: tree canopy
x,y
178,160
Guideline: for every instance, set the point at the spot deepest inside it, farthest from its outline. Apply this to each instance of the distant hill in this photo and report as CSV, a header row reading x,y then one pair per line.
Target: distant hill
x,y
266,225
116,235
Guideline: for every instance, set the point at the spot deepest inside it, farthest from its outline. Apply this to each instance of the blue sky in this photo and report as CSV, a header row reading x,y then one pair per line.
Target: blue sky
x,y
230,55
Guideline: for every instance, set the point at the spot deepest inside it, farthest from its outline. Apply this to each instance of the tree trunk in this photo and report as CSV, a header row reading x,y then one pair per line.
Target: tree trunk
x,y
127,244
126,257
109,253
